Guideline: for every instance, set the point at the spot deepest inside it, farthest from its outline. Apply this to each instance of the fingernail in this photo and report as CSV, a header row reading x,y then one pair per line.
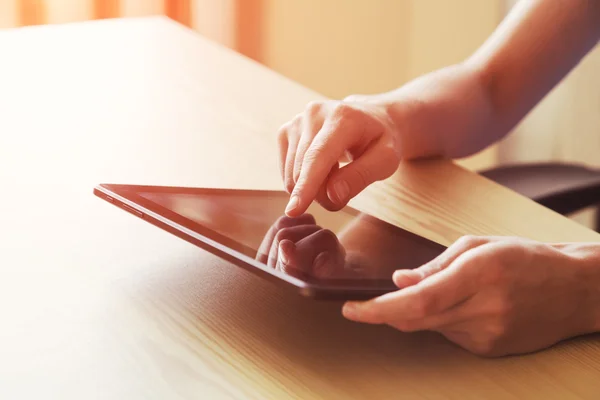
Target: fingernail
x,y
322,264
350,311
293,204
342,190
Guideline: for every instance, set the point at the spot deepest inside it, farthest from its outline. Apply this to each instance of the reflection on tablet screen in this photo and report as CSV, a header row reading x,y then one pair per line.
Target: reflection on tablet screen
x,y
318,246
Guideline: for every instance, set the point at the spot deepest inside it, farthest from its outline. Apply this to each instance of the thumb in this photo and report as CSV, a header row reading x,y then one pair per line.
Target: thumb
x,y
409,277
406,277
378,162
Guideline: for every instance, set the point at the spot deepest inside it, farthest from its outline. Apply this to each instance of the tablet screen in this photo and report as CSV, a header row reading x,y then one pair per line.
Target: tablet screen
x,y
331,248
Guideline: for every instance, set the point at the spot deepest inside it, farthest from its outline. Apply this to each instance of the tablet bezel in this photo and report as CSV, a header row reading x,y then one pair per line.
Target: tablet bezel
x,y
126,198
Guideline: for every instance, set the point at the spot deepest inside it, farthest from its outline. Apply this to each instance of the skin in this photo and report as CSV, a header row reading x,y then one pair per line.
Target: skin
x,y
299,245
492,296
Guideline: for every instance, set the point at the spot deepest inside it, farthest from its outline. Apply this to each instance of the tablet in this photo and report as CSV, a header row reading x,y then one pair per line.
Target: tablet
x,y
340,255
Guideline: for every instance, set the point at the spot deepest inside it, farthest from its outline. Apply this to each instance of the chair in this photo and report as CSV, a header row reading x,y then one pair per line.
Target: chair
x,y
564,188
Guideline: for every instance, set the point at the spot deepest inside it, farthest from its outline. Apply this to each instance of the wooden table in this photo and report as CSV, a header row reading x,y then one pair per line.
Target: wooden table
x,y
96,304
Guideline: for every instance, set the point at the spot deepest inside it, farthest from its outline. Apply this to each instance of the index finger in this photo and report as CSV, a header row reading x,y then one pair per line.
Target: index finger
x,y
330,144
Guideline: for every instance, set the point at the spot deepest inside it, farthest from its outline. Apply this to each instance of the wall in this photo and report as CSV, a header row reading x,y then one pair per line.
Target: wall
x,y
339,47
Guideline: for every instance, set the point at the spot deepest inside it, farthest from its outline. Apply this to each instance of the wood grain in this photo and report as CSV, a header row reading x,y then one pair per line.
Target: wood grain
x,y
98,304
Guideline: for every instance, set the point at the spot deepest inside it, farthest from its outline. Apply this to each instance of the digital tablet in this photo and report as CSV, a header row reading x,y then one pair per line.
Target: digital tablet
x,y
340,255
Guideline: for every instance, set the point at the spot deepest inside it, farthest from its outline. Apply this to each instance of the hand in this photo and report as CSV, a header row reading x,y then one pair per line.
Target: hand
x,y
299,246
312,145
494,296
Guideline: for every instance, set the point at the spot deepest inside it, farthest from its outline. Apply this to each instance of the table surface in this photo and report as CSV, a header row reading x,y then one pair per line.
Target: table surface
x,y
97,304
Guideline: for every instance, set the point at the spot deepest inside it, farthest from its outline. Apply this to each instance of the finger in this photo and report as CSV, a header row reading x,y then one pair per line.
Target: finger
x,y
293,234
434,295
458,313
311,125
452,319
322,197
324,152
288,179
293,136
282,222
404,277
378,162
286,255
321,254
282,144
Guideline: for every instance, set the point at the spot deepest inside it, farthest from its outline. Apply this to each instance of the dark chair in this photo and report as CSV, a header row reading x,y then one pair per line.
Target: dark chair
x,y
564,188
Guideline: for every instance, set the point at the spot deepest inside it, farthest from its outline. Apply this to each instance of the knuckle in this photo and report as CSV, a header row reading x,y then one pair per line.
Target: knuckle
x,y
487,347
327,236
315,153
469,241
282,134
466,240
282,234
363,176
297,121
354,98
497,331
343,111
389,156
314,107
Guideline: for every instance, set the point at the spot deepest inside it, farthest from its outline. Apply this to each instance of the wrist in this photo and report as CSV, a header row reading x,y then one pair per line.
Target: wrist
x,y
446,113
593,272
586,261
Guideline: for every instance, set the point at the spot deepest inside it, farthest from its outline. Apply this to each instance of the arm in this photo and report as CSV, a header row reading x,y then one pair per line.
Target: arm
x,y
534,48
461,109
453,112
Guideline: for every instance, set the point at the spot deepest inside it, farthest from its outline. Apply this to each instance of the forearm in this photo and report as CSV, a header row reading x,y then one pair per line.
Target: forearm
x,y
445,113
532,50
461,109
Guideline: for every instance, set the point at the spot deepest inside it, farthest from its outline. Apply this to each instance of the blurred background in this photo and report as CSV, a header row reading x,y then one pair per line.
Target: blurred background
x,y
340,47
